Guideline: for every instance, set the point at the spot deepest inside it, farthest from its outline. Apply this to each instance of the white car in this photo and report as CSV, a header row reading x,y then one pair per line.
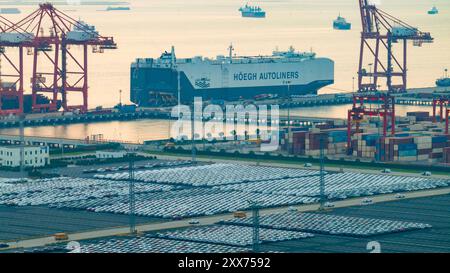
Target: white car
x,y
307,165
292,209
328,205
426,173
194,222
366,201
386,171
399,196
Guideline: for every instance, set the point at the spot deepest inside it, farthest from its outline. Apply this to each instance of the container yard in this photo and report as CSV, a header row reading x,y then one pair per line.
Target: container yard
x,y
417,139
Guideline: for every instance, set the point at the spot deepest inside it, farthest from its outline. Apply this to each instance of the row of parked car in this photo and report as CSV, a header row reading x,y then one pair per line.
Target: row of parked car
x,y
159,164
232,235
330,224
213,174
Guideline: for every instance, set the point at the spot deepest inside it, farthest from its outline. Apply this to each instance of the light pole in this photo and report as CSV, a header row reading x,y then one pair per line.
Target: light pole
x,y
120,97
353,85
255,225
288,83
370,73
22,145
131,194
178,91
322,174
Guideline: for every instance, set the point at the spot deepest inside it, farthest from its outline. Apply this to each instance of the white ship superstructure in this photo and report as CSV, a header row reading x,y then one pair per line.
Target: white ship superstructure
x,y
230,77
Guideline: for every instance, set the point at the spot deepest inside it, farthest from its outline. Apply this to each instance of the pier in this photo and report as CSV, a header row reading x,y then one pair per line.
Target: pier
x,y
418,96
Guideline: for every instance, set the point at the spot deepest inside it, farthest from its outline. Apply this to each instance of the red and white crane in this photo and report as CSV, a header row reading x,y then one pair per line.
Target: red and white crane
x,y
377,61
11,67
57,70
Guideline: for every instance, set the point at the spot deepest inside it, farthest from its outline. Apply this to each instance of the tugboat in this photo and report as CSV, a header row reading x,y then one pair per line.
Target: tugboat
x,y
341,24
252,11
433,11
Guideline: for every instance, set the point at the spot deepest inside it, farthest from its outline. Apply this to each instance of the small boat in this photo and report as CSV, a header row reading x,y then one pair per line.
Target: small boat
x,y
341,24
444,81
117,8
252,11
433,11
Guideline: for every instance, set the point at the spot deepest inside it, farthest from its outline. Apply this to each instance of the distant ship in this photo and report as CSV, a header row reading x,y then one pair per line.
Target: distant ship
x,y
433,10
9,11
444,81
154,82
341,23
252,11
117,8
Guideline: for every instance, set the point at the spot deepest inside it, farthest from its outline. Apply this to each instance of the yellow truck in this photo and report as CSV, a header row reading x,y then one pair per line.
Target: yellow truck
x,y
239,214
62,236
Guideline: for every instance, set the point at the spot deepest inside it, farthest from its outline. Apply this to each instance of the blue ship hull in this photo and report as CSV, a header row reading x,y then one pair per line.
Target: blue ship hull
x,y
254,14
158,87
347,26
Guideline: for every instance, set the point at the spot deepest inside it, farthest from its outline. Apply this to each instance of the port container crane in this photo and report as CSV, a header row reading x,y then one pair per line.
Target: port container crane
x,y
11,67
380,31
67,72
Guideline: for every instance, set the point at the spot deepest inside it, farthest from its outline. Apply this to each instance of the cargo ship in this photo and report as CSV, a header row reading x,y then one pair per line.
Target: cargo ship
x,y
433,11
154,82
341,24
13,103
252,11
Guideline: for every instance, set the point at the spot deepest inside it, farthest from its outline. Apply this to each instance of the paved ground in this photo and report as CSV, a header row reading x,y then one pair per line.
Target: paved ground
x,y
18,223
213,219
431,210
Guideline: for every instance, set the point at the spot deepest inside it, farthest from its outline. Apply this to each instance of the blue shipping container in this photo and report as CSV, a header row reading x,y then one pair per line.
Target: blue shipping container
x,y
439,139
407,147
407,153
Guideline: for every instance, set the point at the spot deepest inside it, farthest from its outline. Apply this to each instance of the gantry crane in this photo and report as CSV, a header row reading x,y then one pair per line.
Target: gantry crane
x,y
67,73
380,31
11,67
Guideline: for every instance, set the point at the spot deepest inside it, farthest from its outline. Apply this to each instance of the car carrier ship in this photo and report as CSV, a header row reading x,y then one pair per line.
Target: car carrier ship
x,y
155,82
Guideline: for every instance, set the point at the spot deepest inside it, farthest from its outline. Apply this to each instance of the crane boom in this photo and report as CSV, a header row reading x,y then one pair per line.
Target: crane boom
x,y
380,31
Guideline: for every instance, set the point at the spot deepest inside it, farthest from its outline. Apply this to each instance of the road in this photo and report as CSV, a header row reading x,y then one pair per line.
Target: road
x,y
208,220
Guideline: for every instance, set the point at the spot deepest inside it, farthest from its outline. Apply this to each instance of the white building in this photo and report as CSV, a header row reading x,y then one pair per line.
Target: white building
x,y
110,154
34,156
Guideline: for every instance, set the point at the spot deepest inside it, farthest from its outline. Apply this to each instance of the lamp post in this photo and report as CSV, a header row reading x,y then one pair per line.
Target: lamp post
x,y
288,83
370,73
353,84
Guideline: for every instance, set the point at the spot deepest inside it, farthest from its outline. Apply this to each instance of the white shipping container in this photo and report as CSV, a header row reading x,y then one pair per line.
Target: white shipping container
x,y
400,31
80,36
